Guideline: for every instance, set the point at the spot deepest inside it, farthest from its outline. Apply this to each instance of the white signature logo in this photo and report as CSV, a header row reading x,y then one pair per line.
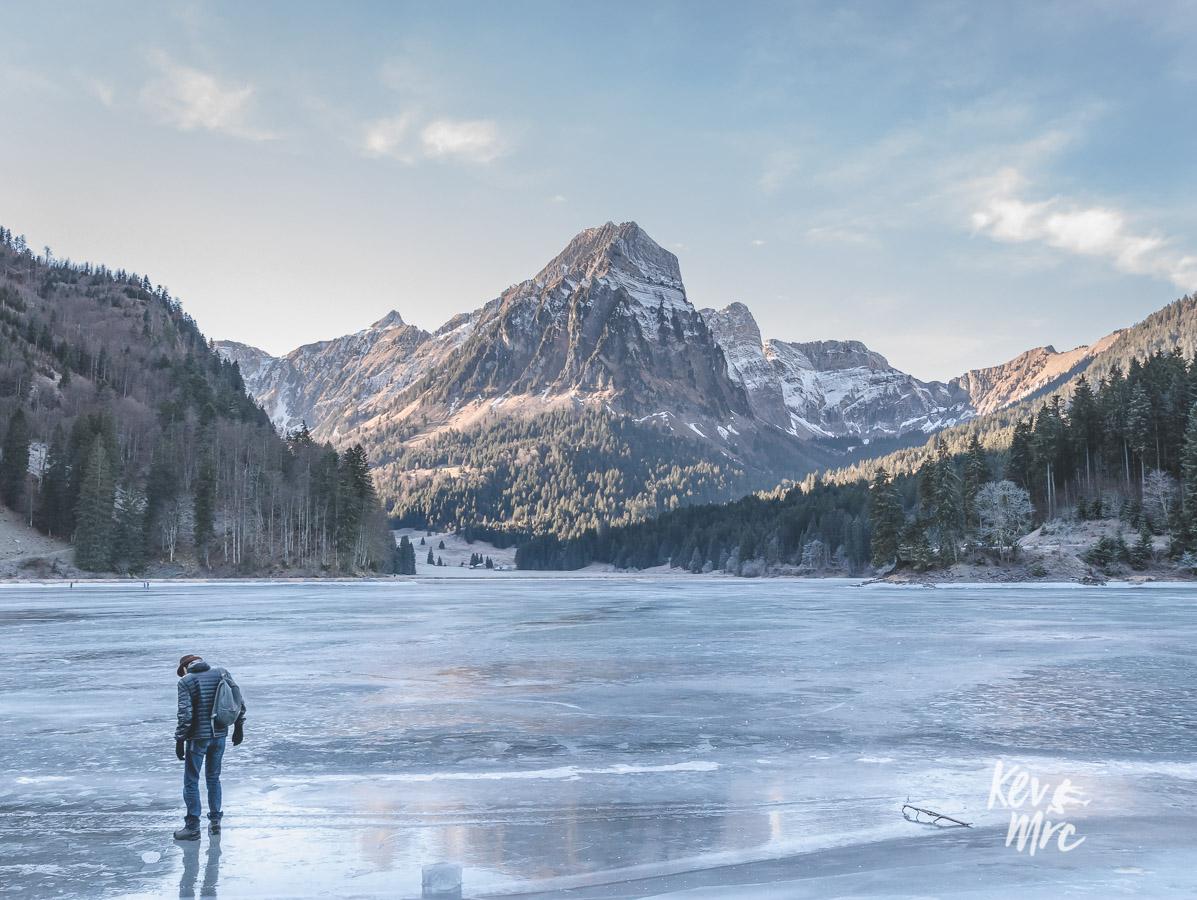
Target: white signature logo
x,y
1036,809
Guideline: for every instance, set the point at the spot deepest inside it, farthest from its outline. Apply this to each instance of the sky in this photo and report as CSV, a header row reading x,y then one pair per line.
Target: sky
x,y
951,183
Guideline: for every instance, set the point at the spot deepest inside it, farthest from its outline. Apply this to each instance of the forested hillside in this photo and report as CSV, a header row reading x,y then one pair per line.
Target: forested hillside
x,y
1125,448
125,433
794,532
1171,330
561,473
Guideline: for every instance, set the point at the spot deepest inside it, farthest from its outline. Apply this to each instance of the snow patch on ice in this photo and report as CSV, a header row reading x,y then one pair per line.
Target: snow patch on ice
x,y
554,774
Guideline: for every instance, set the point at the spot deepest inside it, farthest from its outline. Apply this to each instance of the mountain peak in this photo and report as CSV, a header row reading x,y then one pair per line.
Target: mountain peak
x,y
735,322
390,320
830,356
625,249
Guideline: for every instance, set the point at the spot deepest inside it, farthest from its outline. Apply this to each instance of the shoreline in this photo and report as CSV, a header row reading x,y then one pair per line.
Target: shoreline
x,y
912,581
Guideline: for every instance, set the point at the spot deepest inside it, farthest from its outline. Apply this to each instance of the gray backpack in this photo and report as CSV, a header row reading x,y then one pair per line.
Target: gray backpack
x,y
226,705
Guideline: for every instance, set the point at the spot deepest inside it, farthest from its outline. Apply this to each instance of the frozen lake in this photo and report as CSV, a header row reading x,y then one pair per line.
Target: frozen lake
x,y
602,737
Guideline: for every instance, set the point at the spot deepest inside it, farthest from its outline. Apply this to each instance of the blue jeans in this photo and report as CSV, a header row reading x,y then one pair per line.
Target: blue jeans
x,y
206,752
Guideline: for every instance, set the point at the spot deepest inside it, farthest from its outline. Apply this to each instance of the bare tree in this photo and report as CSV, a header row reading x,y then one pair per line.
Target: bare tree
x,y
1004,510
1159,493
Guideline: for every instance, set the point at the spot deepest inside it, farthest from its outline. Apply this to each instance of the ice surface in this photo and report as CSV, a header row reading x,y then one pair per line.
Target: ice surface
x,y
607,737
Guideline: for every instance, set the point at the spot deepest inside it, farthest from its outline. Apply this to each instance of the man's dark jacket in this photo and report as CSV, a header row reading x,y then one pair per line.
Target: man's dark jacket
x,y
197,693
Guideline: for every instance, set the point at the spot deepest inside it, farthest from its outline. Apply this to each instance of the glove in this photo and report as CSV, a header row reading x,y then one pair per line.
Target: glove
x,y
179,749
238,733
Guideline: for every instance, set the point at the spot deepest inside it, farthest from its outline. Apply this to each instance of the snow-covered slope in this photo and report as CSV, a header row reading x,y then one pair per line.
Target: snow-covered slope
x,y
830,388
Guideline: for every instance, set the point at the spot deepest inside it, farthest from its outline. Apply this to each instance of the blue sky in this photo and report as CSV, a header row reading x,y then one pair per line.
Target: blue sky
x,y
949,182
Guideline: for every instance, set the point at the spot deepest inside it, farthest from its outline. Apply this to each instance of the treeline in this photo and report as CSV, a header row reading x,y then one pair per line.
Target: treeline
x,y
1171,330
823,530
126,434
1126,447
1109,438
563,473
951,508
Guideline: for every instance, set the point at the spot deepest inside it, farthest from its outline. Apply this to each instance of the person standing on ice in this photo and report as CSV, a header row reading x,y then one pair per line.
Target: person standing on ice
x,y
209,701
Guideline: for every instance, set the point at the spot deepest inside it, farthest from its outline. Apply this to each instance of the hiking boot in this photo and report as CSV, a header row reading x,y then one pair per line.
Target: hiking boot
x,y
189,832
214,826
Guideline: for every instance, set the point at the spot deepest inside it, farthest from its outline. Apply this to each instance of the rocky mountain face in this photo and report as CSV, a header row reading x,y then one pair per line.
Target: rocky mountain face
x,y
606,325
332,386
822,389
456,420
1028,374
606,321
607,317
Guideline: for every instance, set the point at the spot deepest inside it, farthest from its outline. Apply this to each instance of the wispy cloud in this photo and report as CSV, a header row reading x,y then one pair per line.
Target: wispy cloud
x,y
193,100
466,140
388,137
473,141
1098,231
426,90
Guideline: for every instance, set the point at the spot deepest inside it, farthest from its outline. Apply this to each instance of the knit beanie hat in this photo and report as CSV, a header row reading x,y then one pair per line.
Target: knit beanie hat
x,y
185,662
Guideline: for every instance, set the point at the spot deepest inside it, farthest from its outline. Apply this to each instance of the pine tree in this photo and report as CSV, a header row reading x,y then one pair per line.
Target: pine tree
x,y
915,548
1188,468
93,532
1085,420
976,474
928,487
949,507
1018,463
431,560
405,557
51,515
1141,553
1049,450
885,519
1139,423
129,544
14,465
355,498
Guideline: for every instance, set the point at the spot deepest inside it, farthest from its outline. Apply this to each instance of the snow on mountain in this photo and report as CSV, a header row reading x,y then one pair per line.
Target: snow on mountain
x,y
318,383
829,388
607,322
